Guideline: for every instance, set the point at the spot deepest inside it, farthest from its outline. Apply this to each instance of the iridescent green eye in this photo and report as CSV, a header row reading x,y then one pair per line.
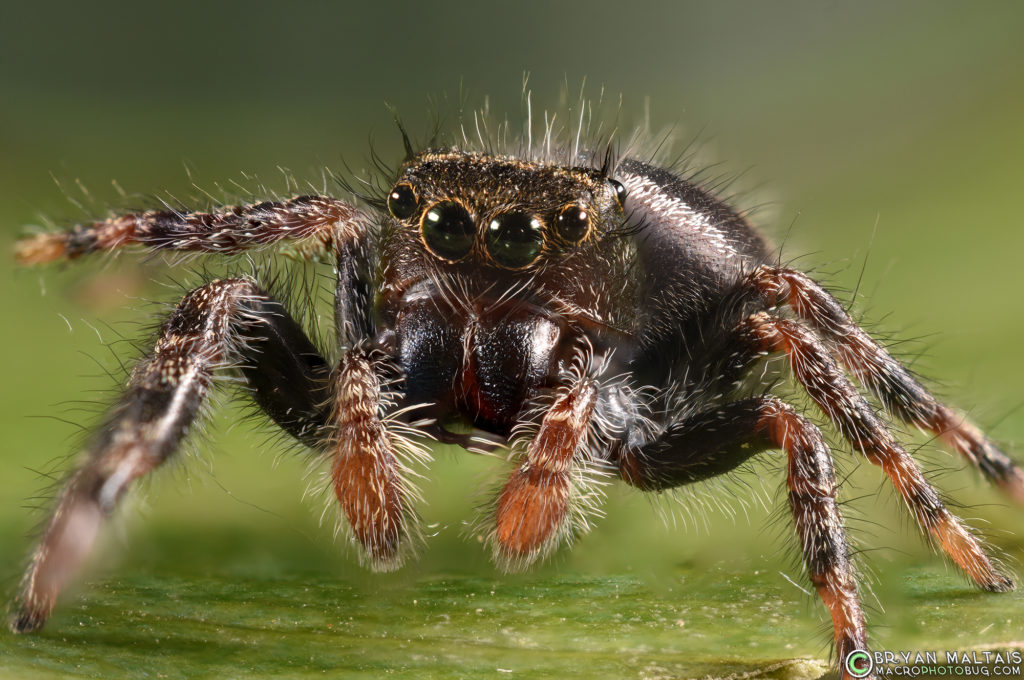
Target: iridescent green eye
x,y
572,224
448,230
515,239
402,201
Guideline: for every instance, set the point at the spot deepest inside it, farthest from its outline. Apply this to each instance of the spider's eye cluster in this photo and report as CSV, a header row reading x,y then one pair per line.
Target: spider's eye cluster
x,y
448,230
515,239
402,201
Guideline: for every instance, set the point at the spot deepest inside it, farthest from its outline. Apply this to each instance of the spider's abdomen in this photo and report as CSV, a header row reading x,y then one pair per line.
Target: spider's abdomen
x,y
476,366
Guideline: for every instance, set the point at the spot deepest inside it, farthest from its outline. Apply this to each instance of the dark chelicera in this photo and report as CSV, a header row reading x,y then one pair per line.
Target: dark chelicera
x,y
595,321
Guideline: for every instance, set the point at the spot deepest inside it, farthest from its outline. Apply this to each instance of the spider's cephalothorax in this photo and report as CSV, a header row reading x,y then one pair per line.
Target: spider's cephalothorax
x,y
592,319
493,271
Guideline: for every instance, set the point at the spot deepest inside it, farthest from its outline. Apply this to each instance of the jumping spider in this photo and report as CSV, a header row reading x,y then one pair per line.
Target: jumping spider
x,y
596,314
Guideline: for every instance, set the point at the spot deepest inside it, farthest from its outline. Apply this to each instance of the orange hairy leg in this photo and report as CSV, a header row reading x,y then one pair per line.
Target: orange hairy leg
x,y
707,444
829,387
811,480
884,376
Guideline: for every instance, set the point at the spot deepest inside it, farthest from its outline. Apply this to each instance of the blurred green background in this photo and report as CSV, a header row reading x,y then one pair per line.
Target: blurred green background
x,y
885,139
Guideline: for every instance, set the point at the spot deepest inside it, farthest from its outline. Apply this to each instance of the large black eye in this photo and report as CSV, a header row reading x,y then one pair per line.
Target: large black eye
x,y
572,223
448,230
514,239
620,191
402,201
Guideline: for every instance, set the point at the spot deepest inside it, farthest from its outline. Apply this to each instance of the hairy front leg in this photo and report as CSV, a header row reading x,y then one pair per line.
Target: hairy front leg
x,y
223,323
315,222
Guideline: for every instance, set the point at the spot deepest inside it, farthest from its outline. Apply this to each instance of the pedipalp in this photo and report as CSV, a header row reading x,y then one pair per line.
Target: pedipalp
x,y
369,480
534,505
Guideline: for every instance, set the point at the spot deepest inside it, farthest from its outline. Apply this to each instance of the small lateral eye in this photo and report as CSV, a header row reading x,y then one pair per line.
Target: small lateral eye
x,y
448,230
515,239
620,191
402,201
572,224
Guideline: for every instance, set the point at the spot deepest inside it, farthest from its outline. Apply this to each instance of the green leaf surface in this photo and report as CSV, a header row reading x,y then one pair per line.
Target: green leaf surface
x,y
695,623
